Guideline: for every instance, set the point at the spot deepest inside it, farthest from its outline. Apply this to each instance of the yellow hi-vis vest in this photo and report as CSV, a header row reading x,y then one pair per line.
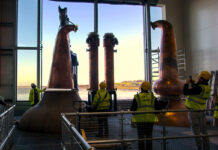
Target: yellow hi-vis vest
x,y
196,102
31,95
145,102
215,113
102,100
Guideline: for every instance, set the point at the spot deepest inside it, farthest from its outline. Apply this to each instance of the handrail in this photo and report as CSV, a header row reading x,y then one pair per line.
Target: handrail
x,y
124,140
137,112
7,138
76,134
6,126
147,139
5,112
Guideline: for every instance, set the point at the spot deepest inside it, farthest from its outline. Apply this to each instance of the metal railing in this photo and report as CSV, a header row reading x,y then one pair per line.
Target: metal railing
x,y
6,126
71,138
123,132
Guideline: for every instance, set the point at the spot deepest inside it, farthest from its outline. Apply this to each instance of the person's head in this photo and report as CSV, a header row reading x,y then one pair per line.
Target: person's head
x,y
145,86
102,85
33,85
204,77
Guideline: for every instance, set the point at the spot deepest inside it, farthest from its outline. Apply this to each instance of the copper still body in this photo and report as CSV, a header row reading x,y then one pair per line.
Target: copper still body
x,y
61,74
59,97
109,43
93,43
168,83
169,87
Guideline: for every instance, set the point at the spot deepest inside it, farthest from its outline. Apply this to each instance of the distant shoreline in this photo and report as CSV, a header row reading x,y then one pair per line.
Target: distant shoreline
x,y
128,85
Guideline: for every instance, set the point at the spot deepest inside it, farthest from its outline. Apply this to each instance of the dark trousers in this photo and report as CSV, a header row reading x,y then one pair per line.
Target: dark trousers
x,y
144,130
102,125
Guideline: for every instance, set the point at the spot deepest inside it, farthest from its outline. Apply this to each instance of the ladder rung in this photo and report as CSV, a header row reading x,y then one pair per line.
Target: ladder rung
x,y
180,58
155,71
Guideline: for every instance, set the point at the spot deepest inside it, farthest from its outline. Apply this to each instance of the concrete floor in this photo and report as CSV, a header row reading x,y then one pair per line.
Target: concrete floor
x,y
23,140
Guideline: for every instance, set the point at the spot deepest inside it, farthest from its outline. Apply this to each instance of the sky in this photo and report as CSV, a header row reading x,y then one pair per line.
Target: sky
x,y
124,21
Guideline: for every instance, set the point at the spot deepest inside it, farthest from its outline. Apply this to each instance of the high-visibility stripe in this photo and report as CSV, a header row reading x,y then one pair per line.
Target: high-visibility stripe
x,y
196,101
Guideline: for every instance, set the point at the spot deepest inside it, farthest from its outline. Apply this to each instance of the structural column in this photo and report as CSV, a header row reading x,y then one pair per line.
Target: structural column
x,y
109,43
93,43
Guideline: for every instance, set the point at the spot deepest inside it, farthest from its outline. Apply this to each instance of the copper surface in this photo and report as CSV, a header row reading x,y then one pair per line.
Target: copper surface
x,y
45,116
169,87
168,83
61,75
93,43
109,60
178,119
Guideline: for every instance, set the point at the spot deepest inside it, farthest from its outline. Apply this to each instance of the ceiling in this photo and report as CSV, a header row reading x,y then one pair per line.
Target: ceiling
x,y
118,2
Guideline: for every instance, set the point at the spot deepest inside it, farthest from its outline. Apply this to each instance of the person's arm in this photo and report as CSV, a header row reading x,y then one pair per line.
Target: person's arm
x,y
40,91
134,105
95,100
31,96
110,105
108,96
158,105
191,91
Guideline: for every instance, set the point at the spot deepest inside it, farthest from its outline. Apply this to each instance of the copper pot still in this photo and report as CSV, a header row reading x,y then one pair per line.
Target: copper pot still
x,y
59,97
168,84
169,87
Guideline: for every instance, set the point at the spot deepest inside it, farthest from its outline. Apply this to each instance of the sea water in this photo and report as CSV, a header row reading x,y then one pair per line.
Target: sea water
x,y
122,94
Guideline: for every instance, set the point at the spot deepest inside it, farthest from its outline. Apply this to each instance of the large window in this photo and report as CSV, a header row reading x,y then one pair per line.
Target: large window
x,y
124,21
27,23
28,58
26,72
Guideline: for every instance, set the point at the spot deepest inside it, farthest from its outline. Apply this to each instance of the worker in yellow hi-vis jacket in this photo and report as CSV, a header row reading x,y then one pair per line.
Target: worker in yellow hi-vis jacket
x,y
102,103
145,101
34,95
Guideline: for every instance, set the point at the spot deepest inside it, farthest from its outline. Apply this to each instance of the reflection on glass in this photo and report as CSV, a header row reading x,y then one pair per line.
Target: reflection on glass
x,y
26,72
27,23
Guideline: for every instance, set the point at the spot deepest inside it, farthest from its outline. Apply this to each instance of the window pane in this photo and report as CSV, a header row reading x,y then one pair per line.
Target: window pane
x,y
156,14
27,23
26,72
126,23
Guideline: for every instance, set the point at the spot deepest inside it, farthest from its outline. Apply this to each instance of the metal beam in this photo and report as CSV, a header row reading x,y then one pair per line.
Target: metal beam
x,y
116,2
38,43
96,16
147,42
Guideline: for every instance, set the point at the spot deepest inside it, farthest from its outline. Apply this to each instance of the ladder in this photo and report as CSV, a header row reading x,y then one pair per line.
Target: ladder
x,y
214,85
181,64
214,81
155,59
